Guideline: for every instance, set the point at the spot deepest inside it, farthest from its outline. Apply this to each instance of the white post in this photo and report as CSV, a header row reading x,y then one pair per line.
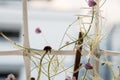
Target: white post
x,y
26,39
97,27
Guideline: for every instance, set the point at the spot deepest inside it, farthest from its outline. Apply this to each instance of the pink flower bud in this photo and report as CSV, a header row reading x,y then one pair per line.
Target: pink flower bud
x,y
88,66
91,3
37,30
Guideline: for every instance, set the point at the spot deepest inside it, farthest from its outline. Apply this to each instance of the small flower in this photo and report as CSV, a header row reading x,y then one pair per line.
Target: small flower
x,y
88,66
91,3
69,78
37,30
10,77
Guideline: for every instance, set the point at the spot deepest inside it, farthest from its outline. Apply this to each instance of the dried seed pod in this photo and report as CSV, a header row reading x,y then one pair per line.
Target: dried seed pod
x,y
47,49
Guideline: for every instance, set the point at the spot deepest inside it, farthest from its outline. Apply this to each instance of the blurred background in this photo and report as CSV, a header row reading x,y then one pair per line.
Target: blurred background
x,y
52,17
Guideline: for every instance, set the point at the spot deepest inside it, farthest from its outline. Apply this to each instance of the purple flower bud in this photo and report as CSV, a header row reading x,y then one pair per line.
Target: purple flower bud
x,y
88,66
91,3
37,30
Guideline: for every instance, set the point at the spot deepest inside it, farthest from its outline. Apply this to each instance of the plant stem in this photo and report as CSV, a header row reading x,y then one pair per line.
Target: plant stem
x,y
40,67
84,34
85,75
49,64
67,30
